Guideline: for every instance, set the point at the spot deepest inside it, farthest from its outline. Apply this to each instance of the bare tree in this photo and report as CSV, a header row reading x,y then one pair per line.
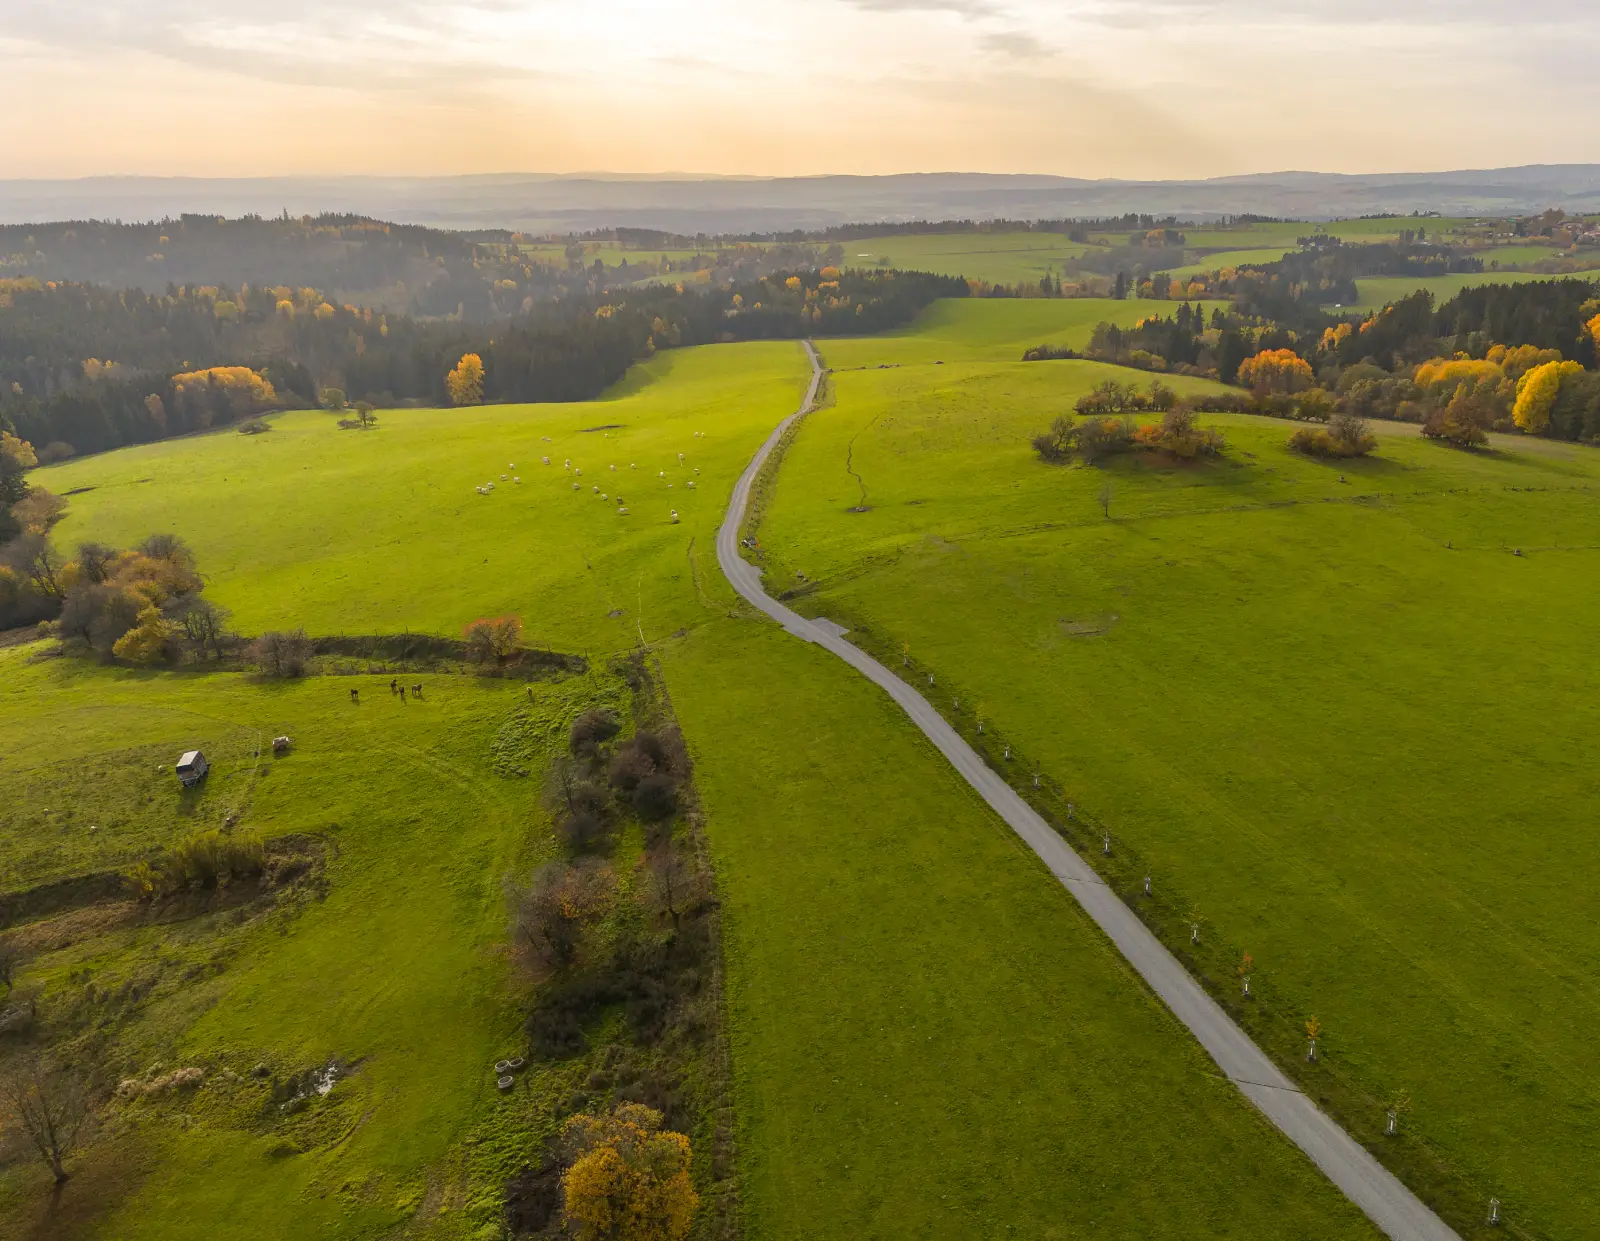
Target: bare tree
x,y
281,654
1105,498
673,877
35,558
50,1104
204,623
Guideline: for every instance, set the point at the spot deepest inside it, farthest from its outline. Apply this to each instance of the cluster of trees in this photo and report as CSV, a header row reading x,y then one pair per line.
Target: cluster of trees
x,y
195,357
142,604
1344,435
1098,437
1184,343
622,1168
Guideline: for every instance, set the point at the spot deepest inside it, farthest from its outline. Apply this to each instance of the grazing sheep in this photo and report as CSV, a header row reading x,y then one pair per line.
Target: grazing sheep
x,y
577,486
632,466
623,511
680,458
690,483
517,479
613,469
511,465
579,473
567,464
597,489
697,469
661,474
547,460
604,496
674,516
502,478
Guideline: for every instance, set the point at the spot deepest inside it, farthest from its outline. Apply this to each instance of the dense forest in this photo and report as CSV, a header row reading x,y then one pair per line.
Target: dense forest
x,y
83,369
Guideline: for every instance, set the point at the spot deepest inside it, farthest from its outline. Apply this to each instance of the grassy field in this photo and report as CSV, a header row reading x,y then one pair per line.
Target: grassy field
x,y
397,972
1325,706
1231,258
1000,258
929,1040
977,329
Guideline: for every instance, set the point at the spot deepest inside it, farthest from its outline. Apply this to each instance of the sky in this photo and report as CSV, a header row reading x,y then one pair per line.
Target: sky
x,y
1092,88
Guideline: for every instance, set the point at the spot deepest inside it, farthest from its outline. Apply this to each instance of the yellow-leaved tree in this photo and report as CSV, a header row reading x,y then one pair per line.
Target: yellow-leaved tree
x,y
629,1178
1277,371
149,641
465,383
1537,392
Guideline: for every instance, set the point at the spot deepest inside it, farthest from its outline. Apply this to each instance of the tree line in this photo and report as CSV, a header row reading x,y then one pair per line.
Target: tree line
x,y
85,368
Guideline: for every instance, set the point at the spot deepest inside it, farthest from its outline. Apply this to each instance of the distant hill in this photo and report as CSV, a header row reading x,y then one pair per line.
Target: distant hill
x,y
692,205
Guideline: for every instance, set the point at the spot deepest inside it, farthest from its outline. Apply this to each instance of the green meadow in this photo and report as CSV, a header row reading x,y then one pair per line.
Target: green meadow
x,y
928,1038
1329,708
999,258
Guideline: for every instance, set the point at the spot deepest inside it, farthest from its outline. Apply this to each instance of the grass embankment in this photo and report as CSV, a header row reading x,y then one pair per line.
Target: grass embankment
x,y
395,971
924,1028
1324,705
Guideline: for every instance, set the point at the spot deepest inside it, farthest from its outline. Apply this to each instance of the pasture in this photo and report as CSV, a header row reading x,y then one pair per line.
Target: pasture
x,y
999,258
926,1033
1325,705
1378,291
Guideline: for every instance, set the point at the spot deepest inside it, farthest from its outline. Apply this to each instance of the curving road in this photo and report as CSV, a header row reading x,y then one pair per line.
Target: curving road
x,y
1362,1179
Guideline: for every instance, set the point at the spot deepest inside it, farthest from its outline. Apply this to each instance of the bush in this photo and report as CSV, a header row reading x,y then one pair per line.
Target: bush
x,y
590,729
1177,434
254,426
555,909
1344,436
1461,422
583,831
204,860
629,766
280,654
656,798
56,450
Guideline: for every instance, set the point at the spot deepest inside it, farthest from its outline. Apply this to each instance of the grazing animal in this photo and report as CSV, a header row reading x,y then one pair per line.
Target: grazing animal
x,y
402,693
355,695
417,690
394,684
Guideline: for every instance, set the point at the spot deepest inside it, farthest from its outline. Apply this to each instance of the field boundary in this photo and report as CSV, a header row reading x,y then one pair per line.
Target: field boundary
x,y
1352,1169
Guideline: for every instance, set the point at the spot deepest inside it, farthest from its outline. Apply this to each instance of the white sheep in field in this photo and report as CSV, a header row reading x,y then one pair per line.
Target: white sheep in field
x,y
690,483
547,460
512,466
697,469
567,464
680,458
579,473
633,465
577,486
661,474
502,478
622,512
597,490
674,516
517,479
488,486
613,469
604,496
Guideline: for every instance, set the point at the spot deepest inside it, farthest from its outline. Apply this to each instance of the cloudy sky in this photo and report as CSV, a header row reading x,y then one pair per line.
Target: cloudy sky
x,y
1131,88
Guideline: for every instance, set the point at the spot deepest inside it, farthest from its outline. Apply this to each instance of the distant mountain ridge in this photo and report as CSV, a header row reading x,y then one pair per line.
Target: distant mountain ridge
x,y
692,204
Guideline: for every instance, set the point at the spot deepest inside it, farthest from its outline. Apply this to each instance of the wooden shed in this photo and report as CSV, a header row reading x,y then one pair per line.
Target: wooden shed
x,y
192,768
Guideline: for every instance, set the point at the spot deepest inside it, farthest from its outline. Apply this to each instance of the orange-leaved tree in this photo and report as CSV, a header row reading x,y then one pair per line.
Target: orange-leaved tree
x,y
1276,371
465,383
493,637
628,1178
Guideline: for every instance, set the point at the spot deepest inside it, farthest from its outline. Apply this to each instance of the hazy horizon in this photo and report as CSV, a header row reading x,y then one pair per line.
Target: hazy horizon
x,y
1180,89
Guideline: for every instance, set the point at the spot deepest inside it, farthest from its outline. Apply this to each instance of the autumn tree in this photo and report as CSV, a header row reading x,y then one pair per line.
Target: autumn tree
x,y
465,382
1461,422
1276,371
150,639
562,901
1537,392
16,459
493,638
628,1178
